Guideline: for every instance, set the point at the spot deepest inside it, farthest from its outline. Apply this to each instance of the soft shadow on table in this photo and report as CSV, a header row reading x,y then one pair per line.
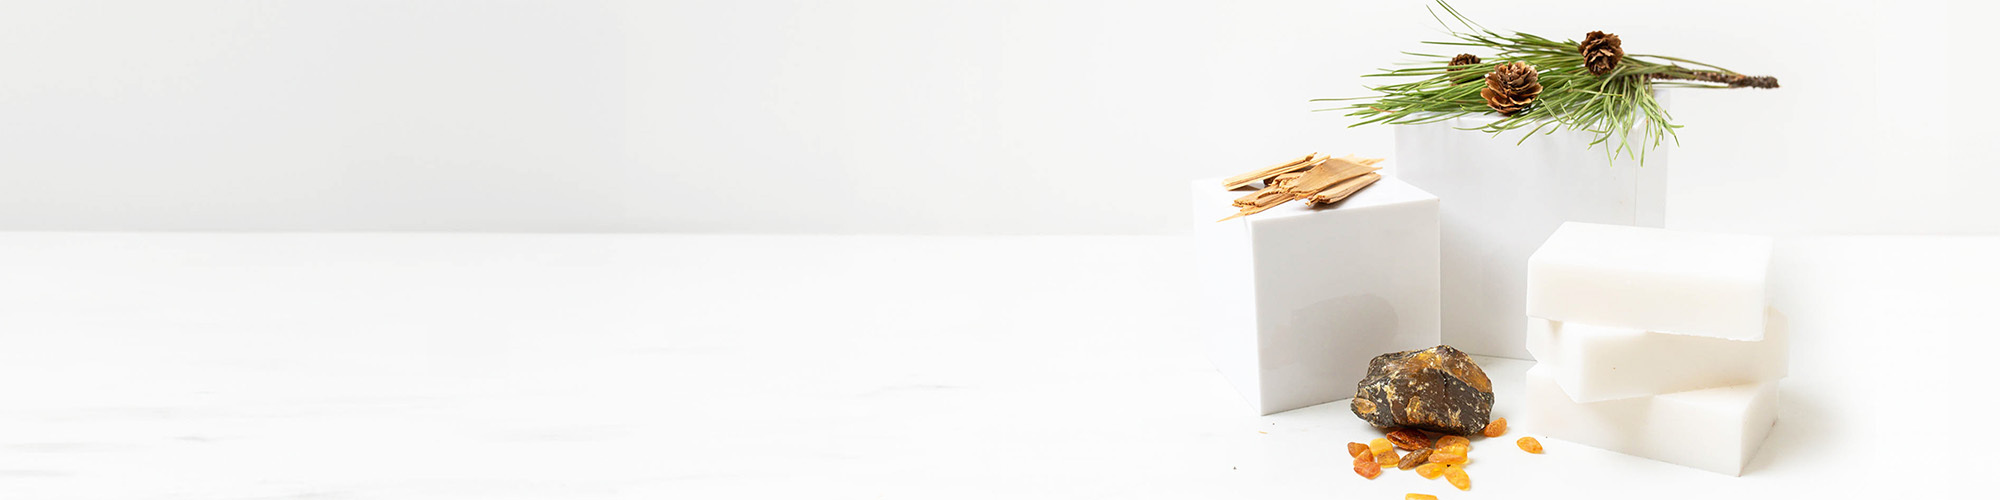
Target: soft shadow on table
x,y
1802,424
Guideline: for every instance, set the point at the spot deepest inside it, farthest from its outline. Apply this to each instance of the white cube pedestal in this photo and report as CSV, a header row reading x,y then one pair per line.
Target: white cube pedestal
x,y
1500,200
1294,301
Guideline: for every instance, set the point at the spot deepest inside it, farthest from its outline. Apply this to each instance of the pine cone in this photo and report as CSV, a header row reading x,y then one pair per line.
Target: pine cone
x,y
1601,52
1511,87
1459,65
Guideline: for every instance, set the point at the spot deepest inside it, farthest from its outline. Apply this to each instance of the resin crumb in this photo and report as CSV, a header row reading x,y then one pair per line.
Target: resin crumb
x,y
1529,444
1458,478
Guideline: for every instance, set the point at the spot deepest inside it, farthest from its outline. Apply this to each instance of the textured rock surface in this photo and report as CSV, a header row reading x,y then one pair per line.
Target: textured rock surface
x,y
1437,389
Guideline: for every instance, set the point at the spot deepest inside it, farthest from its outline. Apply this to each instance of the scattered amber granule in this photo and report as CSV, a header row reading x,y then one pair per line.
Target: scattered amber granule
x,y
1419,496
1364,457
1414,459
1380,445
1529,444
1451,440
1356,449
1458,478
1409,439
1441,457
1431,471
1388,458
1495,429
1368,469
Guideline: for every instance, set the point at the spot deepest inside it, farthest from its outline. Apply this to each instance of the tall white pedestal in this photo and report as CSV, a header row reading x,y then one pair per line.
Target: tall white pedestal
x,y
1499,201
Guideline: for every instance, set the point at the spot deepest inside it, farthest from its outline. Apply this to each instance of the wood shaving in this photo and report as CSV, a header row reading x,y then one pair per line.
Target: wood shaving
x,y
1316,178
1296,164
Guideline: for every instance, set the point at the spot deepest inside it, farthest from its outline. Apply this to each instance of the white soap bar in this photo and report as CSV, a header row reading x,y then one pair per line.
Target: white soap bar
x,y
1597,363
1710,429
1649,279
1294,301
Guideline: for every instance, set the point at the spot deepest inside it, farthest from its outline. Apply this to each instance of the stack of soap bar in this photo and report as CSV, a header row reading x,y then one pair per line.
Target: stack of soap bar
x,y
1600,363
1295,300
1650,279
1710,429
1654,343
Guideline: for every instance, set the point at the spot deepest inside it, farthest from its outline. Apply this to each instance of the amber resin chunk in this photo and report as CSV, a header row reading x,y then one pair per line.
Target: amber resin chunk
x,y
1356,449
1454,442
1368,469
1379,446
1431,471
1409,439
1437,389
1414,459
1495,429
1419,496
1458,478
1529,445
1388,458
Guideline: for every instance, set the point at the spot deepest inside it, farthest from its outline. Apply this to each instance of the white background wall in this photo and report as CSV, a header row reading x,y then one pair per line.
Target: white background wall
x,y
901,116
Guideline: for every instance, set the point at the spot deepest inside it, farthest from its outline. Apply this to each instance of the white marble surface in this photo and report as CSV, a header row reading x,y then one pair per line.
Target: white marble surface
x,y
356,366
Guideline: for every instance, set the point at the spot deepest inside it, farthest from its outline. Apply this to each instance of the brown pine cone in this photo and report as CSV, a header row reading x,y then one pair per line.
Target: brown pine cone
x,y
1601,52
1511,87
1458,66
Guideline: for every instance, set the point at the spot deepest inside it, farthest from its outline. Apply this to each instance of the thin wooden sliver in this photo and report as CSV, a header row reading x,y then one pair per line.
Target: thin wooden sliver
x,y
1316,178
1251,210
1344,189
1284,177
1326,175
1296,164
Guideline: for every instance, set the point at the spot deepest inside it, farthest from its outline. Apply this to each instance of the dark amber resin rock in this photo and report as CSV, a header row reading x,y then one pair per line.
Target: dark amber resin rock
x,y
1437,389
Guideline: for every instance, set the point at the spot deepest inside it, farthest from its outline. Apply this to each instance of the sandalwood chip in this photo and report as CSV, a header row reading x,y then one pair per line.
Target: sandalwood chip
x,y
1316,178
1296,164
1344,189
1325,175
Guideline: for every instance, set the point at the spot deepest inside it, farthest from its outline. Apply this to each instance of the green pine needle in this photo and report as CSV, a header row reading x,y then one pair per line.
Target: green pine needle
x,y
1612,106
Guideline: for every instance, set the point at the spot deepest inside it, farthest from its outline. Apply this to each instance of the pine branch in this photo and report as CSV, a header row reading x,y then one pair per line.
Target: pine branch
x,y
1731,79
1572,97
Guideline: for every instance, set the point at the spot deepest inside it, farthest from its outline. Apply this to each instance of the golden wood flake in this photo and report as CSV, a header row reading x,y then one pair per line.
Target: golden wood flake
x,y
1316,178
1296,164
